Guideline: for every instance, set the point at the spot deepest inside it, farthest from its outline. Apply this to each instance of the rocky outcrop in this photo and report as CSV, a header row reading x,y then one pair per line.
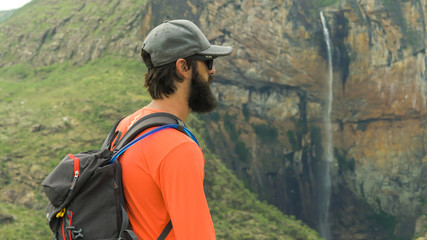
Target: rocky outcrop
x,y
61,32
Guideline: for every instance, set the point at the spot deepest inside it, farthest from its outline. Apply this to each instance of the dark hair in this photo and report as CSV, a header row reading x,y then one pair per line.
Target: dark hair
x,y
161,81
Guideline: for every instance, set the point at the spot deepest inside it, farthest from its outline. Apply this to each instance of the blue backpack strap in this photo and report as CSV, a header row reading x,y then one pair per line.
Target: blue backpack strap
x,y
162,119
176,126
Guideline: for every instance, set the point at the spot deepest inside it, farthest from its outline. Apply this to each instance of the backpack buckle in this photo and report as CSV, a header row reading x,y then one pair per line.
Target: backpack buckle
x,y
181,125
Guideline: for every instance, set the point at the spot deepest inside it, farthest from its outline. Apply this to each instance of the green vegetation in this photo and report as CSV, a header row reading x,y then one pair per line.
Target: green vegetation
x,y
412,36
230,128
387,221
324,3
395,10
5,15
27,223
242,151
266,133
362,189
49,112
344,164
423,230
293,140
302,129
316,135
214,116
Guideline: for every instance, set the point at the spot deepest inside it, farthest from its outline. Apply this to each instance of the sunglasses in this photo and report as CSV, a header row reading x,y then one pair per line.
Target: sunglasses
x,y
208,60
209,64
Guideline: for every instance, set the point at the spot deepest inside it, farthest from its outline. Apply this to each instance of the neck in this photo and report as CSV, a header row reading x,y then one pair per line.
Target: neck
x,y
173,105
177,103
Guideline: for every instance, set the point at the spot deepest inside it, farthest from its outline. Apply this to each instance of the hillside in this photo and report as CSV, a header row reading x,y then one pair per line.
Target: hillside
x,y
48,111
5,15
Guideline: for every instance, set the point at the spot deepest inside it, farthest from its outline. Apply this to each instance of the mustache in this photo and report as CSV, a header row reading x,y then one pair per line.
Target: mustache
x,y
210,79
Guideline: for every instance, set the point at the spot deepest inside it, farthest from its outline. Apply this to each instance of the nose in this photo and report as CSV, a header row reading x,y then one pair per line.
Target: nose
x,y
212,71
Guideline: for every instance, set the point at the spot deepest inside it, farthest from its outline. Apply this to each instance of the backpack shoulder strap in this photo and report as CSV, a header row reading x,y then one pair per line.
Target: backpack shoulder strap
x,y
149,121
165,231
108,141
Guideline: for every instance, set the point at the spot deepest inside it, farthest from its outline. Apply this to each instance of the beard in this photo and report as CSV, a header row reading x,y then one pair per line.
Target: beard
x,y
201,99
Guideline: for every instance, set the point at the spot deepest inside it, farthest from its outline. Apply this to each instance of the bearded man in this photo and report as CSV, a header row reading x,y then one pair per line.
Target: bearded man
x,y
163,174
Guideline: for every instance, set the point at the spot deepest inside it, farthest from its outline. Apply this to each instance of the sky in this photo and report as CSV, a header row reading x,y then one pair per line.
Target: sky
x,y
12,4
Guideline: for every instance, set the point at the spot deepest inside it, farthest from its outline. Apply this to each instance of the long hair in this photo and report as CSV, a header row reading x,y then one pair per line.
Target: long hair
x,y
161,81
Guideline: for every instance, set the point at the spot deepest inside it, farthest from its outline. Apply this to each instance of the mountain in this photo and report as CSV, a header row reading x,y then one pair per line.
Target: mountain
x,y
343,152
68,71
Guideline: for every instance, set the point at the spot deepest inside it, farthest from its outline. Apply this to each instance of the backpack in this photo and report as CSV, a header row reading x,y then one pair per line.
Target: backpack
x,y
85,190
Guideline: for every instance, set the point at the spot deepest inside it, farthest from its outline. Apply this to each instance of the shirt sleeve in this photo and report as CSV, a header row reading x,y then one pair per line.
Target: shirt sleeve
x,y
181,182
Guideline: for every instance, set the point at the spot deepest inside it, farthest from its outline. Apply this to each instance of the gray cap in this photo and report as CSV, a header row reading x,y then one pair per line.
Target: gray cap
x,y
176,39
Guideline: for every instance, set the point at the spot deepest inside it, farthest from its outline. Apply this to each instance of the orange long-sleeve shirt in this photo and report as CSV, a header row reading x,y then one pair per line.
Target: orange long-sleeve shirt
x,y
163,180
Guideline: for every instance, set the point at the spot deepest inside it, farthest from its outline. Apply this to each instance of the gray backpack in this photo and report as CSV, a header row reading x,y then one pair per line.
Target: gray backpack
x,y
85,190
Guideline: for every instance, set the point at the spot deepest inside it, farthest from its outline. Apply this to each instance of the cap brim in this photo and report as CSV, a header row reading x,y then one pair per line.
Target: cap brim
x,y
217,51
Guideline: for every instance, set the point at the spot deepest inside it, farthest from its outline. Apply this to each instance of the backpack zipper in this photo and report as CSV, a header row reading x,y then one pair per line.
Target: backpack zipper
x,y
76,170
70,218
69,222
63,229
76,177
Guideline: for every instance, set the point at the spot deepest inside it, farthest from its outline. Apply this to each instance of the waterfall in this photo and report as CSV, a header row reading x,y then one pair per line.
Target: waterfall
x,y
325,188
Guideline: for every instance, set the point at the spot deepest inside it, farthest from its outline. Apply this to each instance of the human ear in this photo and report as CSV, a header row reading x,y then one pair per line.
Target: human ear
x,y
182,68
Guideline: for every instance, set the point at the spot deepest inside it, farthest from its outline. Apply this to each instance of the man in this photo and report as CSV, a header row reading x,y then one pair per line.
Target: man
x,y
163,174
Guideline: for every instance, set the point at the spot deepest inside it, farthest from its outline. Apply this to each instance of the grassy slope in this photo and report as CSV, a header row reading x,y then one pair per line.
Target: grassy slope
x,y
5,15
50,111
60,101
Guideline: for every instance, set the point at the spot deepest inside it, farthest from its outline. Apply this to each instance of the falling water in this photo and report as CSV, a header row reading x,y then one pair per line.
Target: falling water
x,y
325,191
